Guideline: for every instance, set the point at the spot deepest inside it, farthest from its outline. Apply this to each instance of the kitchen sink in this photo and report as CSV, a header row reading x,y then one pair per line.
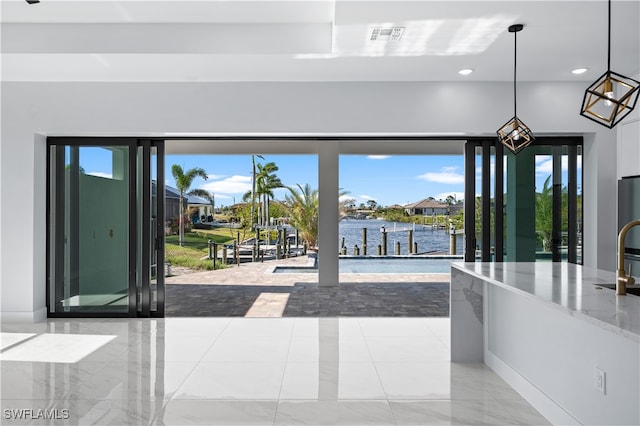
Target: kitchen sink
x,y
635,290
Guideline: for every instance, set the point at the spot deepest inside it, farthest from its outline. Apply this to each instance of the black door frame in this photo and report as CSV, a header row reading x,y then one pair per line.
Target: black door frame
x,y
134,300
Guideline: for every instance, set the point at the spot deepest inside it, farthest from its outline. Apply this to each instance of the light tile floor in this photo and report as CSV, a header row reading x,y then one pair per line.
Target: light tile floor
x,y
261,371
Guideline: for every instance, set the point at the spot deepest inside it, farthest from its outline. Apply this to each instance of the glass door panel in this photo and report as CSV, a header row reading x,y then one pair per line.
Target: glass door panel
x,y
150,217
105,228
157,268
89,229
155,220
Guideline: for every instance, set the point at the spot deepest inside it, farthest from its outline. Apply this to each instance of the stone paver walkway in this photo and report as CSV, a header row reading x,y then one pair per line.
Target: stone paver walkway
x,y
253,290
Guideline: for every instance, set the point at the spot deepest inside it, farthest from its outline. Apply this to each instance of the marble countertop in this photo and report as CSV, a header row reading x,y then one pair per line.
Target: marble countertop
x,y
567,287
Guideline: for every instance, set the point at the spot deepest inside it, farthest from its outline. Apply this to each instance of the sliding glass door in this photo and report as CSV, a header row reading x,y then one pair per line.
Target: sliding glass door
x,y
526,207
104,218
150,229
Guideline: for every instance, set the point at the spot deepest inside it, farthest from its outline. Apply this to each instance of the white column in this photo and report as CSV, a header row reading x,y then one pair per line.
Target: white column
x,y
328,213
600,199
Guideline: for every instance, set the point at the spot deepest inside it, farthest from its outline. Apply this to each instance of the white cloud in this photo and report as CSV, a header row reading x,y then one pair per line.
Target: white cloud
x,y
443,196
449,168
378,157
446,176
230,185
214,177
543,158
546,166
101,174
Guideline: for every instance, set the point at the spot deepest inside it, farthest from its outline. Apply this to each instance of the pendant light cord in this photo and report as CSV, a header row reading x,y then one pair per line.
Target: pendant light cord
x,y
515,54
609,41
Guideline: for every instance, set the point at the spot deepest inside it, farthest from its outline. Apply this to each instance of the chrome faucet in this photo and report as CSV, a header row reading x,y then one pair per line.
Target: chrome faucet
x,y
623,280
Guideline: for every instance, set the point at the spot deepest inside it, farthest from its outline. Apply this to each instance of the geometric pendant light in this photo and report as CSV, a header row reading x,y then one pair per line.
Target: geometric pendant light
x,y
514,134
612,96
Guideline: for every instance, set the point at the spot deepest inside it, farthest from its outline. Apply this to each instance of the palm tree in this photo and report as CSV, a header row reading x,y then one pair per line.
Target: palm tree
x,y
266,182
253,185
303,210
183,183
544,214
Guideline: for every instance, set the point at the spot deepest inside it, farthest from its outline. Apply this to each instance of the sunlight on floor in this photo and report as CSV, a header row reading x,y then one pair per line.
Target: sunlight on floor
x,y
270,305
10,339
62,348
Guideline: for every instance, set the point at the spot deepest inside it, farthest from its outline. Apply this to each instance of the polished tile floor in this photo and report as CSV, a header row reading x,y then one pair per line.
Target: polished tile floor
x,y
261,371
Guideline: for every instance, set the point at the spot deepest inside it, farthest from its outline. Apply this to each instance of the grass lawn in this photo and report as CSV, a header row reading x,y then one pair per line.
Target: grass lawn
x,y
195,249
202,236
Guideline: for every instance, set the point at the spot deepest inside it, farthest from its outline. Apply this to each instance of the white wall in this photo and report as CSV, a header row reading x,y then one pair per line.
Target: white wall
x,y
629,143
629,148
386,108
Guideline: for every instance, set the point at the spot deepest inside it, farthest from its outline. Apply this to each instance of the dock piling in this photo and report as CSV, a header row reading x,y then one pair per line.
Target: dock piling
x,y
384,242
364,241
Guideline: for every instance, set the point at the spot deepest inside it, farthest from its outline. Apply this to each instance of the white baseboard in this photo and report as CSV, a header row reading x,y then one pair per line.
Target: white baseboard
x,y
28,317
539,400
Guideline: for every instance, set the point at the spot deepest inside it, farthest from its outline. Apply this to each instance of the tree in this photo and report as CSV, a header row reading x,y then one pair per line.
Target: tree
x,y
303,211
451,200
266,182
344,204
253,186
183,183
544,214
372,204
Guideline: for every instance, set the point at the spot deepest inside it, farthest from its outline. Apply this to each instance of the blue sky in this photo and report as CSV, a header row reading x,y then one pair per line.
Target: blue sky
x,y
388,180
385,179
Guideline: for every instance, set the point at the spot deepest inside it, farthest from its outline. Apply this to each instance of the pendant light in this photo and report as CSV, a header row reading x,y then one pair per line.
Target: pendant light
x,y
515,135
612,97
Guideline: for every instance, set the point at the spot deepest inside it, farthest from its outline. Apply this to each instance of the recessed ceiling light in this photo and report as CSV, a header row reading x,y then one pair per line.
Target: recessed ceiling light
x,y
465,71
580,70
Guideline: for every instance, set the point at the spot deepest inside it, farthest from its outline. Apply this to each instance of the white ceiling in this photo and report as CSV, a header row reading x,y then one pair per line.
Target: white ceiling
x,y
307,40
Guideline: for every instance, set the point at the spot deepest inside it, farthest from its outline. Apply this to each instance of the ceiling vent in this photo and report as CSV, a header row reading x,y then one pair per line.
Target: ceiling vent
x,y
386,34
